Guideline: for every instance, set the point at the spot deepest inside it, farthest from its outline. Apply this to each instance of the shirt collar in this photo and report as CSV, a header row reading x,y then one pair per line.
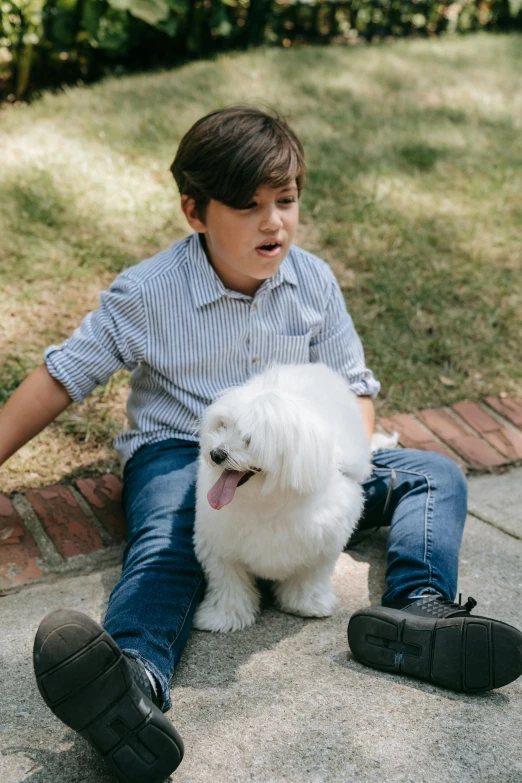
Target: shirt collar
x,y
207,286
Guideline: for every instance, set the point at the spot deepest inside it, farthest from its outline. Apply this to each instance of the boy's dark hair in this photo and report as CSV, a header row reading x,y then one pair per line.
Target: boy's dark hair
x,y
229,153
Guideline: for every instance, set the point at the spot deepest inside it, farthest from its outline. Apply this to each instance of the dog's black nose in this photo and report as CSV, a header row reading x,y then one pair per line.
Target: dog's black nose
x,y
218,455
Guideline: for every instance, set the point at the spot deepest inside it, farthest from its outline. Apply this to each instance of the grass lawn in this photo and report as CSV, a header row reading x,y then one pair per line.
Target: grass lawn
x,y
414,196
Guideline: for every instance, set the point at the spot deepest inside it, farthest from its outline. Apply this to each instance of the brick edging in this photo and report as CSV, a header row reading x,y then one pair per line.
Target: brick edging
x,y
72,528
59,530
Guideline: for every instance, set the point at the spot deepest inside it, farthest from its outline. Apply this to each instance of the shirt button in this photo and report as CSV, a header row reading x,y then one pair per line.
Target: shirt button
x,y
254,307
255,359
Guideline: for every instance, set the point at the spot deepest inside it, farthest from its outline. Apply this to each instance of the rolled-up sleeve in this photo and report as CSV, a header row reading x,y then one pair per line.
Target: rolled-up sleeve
x,y
338,345
109,339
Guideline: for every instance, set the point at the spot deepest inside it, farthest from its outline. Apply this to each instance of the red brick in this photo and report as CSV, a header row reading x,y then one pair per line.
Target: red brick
x,y
70,530
508,407
413,436
507,441
18,551
452,432
104,495
476,417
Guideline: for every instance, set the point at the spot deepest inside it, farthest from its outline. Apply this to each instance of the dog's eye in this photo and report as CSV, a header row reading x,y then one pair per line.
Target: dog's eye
x,y
247,440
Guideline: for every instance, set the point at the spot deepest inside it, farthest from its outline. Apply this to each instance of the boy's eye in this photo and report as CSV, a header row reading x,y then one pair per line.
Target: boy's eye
x,y
282,201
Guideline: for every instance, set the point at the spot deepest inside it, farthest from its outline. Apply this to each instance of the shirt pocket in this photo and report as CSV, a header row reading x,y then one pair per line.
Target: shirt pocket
x,y
286,349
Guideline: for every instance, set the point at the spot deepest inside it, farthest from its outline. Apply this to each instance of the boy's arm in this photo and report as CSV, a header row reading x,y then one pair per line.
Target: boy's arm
x,y
338,345
36,403
107,340
368,413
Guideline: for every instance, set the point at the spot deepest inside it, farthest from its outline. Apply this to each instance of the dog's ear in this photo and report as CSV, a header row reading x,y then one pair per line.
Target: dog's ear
x,y
303,450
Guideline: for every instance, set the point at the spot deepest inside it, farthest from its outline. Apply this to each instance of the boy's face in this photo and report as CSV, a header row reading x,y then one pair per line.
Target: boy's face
x,y
235,237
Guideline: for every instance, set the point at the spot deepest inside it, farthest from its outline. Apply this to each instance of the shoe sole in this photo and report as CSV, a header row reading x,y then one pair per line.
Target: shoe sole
x,y
84,679
465,654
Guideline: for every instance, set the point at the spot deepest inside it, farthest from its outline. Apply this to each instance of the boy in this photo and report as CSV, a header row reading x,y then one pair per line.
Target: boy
x,y
198,318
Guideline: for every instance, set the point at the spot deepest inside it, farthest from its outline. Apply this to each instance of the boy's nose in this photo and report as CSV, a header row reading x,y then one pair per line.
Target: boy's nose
x,y
272,221
218,456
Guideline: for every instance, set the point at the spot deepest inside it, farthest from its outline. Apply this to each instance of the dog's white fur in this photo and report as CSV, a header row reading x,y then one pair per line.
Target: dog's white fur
x,y
301,428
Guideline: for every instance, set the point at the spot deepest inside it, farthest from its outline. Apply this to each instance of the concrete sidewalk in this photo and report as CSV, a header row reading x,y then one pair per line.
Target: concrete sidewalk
x,y
285,701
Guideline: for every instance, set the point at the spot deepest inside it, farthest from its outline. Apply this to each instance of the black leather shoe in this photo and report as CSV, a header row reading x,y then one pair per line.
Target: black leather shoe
x,y
437,640
139,675
90,685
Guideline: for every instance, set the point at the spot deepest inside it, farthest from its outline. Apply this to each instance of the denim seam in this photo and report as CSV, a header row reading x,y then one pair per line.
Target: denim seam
x,y
186,612
427,531
427,516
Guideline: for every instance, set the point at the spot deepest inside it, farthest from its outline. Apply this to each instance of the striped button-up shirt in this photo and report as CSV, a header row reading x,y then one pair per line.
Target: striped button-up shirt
x,y
186,338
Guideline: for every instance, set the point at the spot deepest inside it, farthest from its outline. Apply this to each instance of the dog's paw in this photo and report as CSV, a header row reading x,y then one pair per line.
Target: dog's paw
x,y
320,604
221,618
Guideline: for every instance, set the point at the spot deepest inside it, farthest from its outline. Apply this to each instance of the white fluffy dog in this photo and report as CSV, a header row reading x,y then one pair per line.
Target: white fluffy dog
x,y
278,492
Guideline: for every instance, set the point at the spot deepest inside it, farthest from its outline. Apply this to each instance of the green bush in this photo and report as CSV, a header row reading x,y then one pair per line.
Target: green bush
x,y
49,42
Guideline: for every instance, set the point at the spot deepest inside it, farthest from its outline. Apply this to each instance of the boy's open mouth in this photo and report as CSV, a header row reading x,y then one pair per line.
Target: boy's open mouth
x,y
269,248
222,492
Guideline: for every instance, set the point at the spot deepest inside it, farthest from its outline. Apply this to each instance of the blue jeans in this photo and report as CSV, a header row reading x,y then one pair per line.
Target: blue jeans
x,y
151,608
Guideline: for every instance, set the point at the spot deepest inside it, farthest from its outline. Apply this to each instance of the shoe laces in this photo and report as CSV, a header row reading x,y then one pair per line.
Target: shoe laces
x,y
470,603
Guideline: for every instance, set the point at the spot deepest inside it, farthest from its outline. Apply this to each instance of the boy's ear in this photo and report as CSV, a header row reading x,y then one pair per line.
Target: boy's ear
x,y
188,205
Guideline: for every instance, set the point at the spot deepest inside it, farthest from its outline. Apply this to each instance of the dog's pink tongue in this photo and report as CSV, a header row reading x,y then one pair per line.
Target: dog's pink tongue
x,y
223,490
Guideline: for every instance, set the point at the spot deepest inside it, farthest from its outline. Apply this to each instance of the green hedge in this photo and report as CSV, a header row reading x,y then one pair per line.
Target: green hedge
x,y
48,42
